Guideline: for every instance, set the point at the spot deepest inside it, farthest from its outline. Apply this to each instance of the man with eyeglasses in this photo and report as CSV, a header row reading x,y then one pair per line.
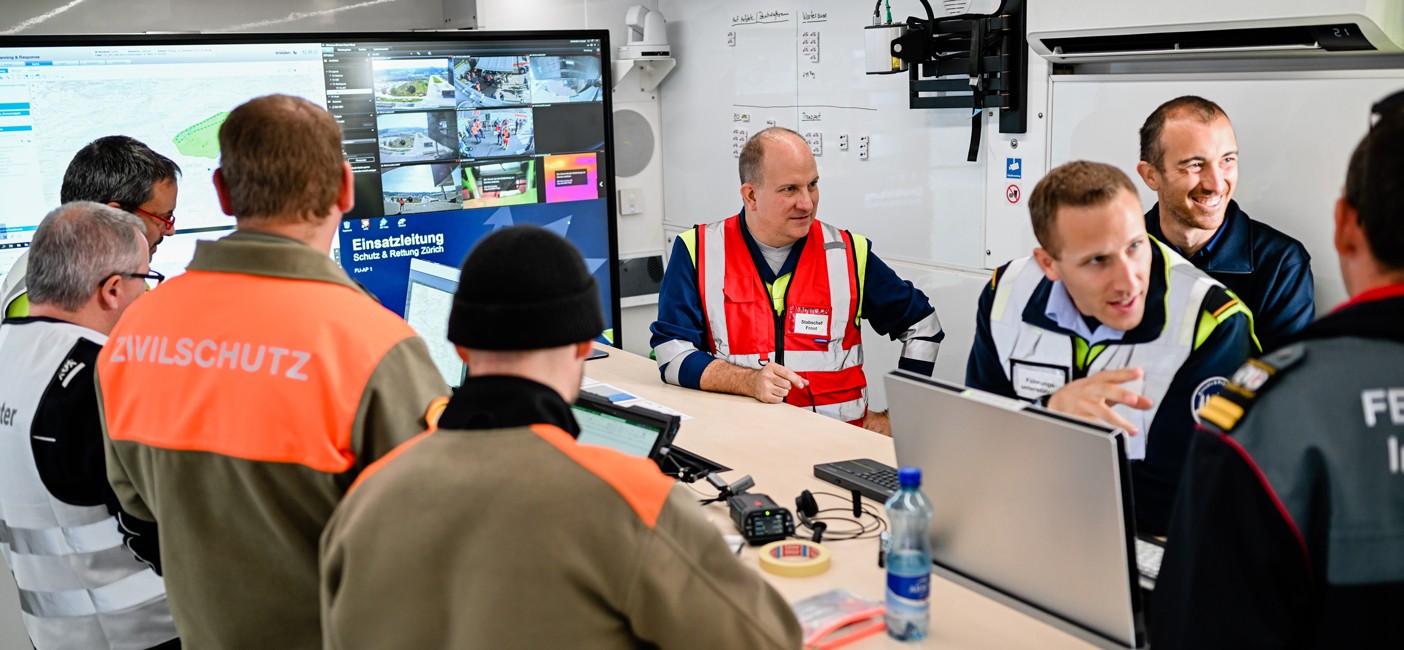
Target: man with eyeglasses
x,y
87,570
123,173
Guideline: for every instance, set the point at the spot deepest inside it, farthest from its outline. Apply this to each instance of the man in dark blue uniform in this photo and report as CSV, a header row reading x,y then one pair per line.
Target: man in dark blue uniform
x,y
1189,157
1289,531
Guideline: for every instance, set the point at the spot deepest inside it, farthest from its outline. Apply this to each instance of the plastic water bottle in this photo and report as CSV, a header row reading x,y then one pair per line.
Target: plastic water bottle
x,y
909,560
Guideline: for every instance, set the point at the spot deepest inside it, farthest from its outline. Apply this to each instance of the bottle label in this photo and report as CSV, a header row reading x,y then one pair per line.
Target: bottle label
x,y
909,587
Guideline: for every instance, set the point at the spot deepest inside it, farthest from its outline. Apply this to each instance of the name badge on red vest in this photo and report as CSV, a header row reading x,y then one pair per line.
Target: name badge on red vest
x,y
810,322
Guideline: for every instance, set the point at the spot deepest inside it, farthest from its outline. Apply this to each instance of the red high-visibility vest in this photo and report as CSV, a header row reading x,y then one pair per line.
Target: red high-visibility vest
x,y
815,331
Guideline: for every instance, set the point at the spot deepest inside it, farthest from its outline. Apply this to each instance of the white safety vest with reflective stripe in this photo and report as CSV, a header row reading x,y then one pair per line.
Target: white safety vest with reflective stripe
x,y
1035,358
835,357
79,585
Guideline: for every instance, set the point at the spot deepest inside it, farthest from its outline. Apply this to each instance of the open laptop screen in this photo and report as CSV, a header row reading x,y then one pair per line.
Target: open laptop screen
x,y
631,430
1029,505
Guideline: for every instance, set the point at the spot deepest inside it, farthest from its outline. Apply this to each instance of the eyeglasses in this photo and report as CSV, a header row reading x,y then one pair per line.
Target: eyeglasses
x,y
169,219
153,279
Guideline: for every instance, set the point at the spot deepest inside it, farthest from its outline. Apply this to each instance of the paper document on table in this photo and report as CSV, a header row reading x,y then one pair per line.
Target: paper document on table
x,y
625,398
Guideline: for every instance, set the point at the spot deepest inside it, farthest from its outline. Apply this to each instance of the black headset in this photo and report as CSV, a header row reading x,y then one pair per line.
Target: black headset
x,y
807,507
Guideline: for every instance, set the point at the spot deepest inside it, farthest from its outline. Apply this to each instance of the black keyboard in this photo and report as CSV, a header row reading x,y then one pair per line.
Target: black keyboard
x,y
869,477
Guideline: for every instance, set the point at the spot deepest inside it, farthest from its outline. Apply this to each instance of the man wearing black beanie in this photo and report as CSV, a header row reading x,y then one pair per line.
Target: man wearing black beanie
x,y
498,530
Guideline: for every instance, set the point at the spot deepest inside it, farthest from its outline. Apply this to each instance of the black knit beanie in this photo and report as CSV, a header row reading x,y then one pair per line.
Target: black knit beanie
x,y
524,288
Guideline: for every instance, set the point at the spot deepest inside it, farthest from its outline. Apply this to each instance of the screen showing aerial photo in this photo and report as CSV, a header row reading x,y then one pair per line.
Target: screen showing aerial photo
x,y
417,137
491,81
412,84
499,183
496,133
421,188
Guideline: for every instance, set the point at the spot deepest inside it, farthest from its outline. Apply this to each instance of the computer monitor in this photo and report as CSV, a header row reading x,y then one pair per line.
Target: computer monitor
x,y
1031,507
630,429
428,302
450,135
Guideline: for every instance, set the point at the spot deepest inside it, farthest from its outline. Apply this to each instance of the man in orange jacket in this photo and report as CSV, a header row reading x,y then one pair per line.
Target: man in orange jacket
x,y
292,380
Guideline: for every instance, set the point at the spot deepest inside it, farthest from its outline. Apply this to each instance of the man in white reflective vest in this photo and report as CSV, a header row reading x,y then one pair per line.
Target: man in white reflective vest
x,y
86,570
1107,323
768,303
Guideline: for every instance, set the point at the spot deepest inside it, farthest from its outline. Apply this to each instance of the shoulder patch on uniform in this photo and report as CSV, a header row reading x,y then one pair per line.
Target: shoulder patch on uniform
x,y
1223,411
1219,300
994,279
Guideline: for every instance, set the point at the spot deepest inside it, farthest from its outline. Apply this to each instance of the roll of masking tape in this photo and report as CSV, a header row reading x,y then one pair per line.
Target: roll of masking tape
x,y
795,558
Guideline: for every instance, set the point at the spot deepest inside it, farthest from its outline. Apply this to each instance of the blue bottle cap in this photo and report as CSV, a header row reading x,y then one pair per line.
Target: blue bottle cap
x,y
909,477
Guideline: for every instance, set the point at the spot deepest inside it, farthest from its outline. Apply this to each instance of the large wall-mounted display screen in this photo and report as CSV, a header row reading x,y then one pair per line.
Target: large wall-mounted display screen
x,y
450,135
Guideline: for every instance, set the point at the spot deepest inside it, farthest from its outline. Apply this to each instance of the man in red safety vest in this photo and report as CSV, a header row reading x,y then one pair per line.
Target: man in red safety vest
x,y
768,302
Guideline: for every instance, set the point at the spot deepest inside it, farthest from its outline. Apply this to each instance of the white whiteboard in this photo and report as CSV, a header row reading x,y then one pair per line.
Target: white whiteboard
x,y
1296,132
741,64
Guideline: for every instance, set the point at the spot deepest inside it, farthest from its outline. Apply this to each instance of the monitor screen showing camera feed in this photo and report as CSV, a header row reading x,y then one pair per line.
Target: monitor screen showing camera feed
x,y
450,135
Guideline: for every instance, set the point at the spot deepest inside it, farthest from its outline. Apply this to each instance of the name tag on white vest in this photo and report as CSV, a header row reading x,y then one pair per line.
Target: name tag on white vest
x,y
1032,381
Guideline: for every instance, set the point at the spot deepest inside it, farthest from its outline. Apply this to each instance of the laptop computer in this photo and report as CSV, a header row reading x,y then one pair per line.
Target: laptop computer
x,y
1031,507
630,429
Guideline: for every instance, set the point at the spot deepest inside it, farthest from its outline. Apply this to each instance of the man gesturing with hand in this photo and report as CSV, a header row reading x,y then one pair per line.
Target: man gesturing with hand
x,y
1106,323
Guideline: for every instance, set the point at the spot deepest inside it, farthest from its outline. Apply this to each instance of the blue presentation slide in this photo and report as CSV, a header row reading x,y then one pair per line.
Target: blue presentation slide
x,y
377,251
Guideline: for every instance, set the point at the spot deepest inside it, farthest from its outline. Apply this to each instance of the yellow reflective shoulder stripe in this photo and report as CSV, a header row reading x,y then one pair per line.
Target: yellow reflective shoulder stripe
x,y
1208,321
689,238
860,252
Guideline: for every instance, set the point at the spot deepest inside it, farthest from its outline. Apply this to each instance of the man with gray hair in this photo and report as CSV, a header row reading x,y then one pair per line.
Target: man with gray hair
x,y
767,303
123,173
87,571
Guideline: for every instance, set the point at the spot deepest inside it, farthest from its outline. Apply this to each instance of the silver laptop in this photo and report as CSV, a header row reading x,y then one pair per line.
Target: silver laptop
x,y
1031,507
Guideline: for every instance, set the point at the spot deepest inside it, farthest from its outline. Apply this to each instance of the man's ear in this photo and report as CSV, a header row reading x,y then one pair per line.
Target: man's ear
x,y
1045,261
109,293
748,196
346,198
1149,174
1349,236
222,191
583,349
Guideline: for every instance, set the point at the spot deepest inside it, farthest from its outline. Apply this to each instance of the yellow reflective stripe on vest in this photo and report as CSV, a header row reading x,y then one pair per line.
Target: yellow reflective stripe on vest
x,y
861,246
1208,321
689,238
